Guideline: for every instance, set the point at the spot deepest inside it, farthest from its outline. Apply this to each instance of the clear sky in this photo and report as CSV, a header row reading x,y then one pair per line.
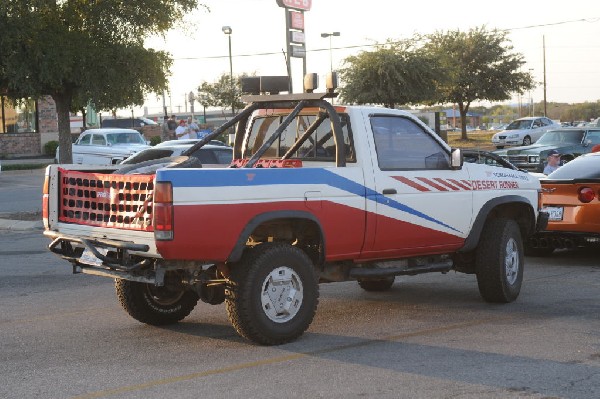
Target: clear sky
x,y
571,30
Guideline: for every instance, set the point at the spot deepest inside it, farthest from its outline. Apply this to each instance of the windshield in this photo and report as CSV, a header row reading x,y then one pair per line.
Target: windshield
x,y
561,137
519,124
125,138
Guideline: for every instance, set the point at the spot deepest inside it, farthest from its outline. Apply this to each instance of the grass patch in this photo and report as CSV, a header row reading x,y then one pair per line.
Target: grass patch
x,y
481,140
24,166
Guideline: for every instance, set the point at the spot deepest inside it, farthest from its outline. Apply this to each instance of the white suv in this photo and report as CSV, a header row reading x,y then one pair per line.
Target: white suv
x,y
106,146
524,131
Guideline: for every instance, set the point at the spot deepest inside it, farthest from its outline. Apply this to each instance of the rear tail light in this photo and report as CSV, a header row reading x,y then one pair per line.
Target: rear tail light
x,y
163,211
45,191
586,194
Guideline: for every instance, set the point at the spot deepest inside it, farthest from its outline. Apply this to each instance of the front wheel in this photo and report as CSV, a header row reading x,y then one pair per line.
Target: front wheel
x,y
154,305
272,294
499,261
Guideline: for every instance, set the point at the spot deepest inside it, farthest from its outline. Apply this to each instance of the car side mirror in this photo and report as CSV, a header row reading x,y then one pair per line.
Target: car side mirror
x,y
587,142
456,159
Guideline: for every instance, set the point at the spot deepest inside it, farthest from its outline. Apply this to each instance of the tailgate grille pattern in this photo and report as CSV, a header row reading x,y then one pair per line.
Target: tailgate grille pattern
x,y
106,200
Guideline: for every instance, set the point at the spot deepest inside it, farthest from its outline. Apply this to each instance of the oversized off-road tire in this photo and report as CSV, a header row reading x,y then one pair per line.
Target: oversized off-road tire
x,y
526,140
272,294
155,305
376,284
150,166
499,261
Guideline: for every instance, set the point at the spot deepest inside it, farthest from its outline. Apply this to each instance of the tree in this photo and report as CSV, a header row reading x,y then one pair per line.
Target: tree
x,y
222,93
477,65
79,51
393,74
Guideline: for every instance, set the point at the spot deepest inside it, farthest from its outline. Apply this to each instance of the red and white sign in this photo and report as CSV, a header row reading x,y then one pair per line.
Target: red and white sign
x,y
303,5
297,20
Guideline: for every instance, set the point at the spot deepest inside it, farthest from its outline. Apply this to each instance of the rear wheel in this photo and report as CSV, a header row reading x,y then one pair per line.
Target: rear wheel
x,y
154,305
499,261
272,294
376,284
527,140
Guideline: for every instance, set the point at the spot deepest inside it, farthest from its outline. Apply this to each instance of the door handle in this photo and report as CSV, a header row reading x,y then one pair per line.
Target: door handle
x,y
388,191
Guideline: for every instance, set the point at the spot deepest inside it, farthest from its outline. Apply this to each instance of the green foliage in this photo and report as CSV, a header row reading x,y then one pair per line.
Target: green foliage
x,y
477,65
222,93
24,166
395,73
80,51
50,147
154,140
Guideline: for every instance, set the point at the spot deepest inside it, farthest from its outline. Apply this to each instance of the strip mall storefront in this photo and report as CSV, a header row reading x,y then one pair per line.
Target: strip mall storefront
x,y
26,126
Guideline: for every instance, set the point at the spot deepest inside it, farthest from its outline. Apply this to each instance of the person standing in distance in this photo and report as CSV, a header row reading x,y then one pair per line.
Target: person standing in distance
x,y
172,123
183,131
553,162
165,133
193,128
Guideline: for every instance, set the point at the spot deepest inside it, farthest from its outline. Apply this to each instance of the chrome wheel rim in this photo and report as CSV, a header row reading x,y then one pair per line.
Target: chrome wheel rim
x,y
511,261
281,294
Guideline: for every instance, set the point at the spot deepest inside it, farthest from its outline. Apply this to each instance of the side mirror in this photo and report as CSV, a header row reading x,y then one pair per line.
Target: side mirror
x,y
587,142
456,159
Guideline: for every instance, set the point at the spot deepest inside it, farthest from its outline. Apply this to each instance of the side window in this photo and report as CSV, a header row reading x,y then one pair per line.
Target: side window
x,y
537,123
401,144
98,139
85,140
594,136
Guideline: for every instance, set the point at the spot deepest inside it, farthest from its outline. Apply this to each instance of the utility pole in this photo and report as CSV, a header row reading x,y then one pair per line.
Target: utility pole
x,y
544,46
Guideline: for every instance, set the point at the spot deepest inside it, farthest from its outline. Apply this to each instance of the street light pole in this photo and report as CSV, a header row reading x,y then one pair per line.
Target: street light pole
x,y
329,35
227,30
191,98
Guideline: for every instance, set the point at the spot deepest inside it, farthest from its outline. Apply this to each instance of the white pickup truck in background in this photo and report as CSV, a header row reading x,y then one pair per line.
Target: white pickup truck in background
x,y
315,193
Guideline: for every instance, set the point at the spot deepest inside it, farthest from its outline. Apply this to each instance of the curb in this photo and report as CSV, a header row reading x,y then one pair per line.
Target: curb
x,y
20,225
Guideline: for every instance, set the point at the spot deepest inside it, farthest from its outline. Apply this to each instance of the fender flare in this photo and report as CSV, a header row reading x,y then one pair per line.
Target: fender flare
x,y
240,245
473,237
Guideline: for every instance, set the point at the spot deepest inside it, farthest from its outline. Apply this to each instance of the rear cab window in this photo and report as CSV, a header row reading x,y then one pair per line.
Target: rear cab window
x,y
319,146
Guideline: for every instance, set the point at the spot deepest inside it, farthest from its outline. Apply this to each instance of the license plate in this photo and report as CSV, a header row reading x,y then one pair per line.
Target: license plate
x,y
554,212
89,258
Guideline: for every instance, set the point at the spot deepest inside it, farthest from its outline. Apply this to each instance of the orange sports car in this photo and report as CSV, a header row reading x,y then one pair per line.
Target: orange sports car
x,y
571,196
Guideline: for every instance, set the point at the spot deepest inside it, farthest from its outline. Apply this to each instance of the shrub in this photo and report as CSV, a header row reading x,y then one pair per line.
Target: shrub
x,y
50,148
154,140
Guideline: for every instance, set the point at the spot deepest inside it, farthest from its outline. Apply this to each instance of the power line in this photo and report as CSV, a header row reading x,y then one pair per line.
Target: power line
x,y
589,20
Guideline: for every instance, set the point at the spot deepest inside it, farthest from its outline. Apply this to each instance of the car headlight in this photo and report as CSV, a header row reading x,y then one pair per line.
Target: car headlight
x,y
534,159
513,136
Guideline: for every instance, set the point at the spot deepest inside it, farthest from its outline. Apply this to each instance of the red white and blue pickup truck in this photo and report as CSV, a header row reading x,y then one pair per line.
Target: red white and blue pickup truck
x,y
315,193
